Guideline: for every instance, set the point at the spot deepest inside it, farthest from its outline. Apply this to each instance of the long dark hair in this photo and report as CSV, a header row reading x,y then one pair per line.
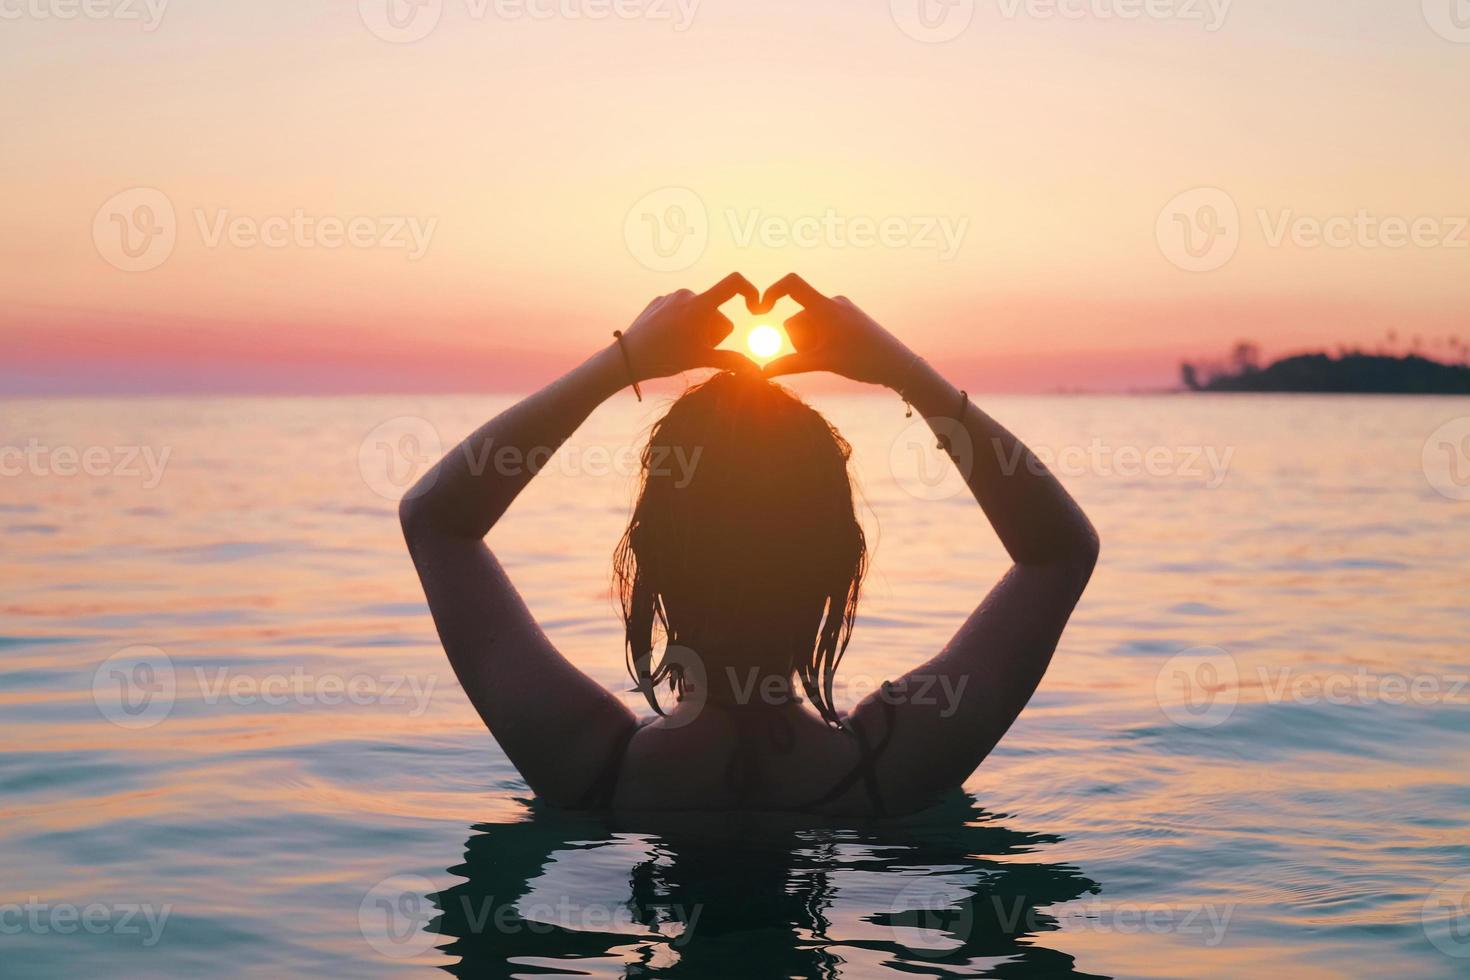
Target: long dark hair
x,y
744,528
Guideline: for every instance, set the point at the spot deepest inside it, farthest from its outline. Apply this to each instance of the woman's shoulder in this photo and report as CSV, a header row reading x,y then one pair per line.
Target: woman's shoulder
x,y
791,763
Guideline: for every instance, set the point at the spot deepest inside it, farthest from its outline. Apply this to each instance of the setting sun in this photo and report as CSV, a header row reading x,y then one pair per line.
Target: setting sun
x,y
764,341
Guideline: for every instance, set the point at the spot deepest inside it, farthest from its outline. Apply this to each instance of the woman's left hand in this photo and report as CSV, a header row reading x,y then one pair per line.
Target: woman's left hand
x,y
680,331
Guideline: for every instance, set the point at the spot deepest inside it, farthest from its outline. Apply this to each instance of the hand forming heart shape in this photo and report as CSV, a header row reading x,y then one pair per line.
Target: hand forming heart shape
x,y
832,334
682,331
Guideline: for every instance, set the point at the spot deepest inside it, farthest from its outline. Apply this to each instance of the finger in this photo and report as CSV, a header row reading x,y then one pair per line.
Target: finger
x,y
733,285
729,360
795,287
802,330
717,328
799,363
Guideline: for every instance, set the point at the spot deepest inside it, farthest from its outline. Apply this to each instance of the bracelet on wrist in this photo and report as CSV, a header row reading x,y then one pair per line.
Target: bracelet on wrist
x,y
903,387
945,445
628,363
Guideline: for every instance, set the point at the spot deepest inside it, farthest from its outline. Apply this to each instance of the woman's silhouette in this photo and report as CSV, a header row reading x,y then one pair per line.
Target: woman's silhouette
x,y
750,565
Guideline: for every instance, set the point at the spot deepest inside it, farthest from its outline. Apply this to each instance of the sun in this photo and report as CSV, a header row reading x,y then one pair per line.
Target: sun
x,y
764,341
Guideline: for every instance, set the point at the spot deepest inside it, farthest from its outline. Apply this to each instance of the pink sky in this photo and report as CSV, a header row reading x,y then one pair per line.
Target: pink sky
x,y
1005,201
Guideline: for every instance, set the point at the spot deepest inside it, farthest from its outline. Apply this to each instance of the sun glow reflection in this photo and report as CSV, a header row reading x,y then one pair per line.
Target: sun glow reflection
x,y
764,341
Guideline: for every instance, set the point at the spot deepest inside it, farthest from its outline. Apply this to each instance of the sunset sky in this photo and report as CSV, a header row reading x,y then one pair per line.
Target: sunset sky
x,y
1001,200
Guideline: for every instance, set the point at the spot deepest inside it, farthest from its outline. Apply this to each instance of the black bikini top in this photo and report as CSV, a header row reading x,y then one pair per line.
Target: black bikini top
x,y
600,795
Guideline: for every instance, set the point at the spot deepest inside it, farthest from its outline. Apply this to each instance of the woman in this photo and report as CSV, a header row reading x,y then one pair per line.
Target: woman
x,y
750,563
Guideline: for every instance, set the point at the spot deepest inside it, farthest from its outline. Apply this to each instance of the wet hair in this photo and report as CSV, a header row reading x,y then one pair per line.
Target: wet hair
x,y
744,544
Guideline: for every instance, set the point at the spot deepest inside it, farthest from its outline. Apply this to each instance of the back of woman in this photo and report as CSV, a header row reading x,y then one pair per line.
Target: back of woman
x,y
739,577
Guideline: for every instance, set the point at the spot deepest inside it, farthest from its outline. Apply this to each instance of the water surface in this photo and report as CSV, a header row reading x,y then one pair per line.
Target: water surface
x,y
230,737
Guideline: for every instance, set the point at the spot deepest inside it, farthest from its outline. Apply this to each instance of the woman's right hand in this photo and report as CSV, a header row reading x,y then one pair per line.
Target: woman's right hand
x,y
832,334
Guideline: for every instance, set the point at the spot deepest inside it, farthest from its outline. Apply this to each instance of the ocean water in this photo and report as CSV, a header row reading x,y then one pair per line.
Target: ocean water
x,y
232,745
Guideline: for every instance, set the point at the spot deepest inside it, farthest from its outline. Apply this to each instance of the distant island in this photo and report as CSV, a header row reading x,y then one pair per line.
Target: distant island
x,y
1350,372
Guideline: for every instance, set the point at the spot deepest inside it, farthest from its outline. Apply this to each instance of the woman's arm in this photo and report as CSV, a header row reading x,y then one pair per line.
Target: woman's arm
x,y
556,724
976,686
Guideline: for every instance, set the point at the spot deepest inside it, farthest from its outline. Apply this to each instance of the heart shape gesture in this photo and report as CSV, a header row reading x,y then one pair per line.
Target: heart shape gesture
x,y
832,334
682,331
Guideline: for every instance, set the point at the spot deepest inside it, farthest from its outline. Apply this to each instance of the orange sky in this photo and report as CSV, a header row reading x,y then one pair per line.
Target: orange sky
x,y
1008,201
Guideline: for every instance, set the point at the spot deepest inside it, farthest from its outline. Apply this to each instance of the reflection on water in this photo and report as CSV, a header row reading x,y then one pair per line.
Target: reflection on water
x,y
223,705
952,891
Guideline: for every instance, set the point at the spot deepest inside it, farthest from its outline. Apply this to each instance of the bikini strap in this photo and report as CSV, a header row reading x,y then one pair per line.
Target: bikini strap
x,y
867,767
600,794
